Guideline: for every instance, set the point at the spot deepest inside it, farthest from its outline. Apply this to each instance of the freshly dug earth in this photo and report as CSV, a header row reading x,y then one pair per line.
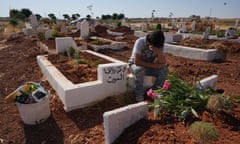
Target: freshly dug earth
x,y
83,69
18,65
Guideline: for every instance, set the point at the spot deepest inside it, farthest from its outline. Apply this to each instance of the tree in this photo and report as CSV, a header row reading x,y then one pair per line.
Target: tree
x,y
52,16
26,12
75,16
38,16
66,16
114,16
88,17
120,16
106,17
13,13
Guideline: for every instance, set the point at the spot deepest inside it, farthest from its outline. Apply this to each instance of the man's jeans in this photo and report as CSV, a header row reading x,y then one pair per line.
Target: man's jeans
x,y
138,75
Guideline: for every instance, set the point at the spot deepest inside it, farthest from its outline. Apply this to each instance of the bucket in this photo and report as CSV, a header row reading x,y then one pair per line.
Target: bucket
x,y
34,113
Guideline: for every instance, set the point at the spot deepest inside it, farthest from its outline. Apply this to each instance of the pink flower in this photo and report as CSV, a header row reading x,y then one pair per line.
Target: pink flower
x,y
166,85
151,93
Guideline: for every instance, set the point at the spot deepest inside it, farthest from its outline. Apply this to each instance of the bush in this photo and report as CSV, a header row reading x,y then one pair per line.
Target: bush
x,y
221,33
158,27
119,23
203,132
13,22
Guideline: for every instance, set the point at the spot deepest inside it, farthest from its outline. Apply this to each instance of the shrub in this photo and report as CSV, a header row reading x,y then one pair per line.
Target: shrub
x,y
203,132
158,27
221,33
13,22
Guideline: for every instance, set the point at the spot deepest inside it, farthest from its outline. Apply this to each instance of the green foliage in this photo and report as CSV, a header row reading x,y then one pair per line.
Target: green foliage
x,y
181,99
118,23
158,27
203,132
26,12
20,15
55,34
81,61
97,41
221,33
71,51
13,22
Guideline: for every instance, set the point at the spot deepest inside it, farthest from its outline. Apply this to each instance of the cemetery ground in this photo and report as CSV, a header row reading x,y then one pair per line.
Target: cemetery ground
x,y
18,65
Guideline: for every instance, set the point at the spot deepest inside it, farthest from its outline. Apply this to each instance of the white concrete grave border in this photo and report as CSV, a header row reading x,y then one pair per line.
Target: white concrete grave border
x,y
192,53
112,80
114,45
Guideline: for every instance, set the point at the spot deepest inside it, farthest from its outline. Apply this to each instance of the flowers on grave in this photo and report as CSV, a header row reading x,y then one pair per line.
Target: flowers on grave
x,y
179,98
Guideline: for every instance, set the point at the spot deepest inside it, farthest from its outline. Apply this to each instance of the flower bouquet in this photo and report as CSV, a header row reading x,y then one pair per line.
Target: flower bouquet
x,y
179,98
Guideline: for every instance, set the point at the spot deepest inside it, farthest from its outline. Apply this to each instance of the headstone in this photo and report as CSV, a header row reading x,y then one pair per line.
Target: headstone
x,y
236,24
78,25
123,22
48,34
33,20
144,27
174,24
193,26
133,27
84,29
206,33
183,29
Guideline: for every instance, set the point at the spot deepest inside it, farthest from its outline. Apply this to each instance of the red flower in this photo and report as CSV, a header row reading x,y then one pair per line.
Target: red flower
x,y
151,93
166,85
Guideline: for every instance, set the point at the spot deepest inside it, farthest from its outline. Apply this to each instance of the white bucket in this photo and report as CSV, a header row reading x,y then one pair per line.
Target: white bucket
x,y
35,113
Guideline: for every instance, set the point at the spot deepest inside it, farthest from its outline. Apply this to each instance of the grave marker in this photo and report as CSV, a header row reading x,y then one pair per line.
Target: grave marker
x,y
84,29
33,20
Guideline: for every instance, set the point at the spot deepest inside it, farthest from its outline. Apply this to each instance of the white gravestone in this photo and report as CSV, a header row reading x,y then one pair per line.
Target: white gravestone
x,y
78,25
236,24
144,27
48,34
34,22
84,29
193,26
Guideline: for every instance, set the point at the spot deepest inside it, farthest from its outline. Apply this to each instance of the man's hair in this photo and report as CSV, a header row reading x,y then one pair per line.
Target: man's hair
x,y
156,38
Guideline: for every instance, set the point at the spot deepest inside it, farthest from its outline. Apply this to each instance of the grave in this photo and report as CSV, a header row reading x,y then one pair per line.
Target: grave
x,y
112,80
192,53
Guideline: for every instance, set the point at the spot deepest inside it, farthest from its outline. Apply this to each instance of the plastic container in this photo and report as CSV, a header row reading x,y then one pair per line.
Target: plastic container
x,y
34,113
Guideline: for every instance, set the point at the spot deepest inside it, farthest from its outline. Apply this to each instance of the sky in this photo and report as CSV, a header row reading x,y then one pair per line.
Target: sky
x,y
130,8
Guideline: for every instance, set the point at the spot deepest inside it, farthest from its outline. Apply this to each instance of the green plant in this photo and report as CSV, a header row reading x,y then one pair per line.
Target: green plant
x,y
98,41
221,33
203,132
118,23
158,27
55,34
81,61
179,98
71,51
13,22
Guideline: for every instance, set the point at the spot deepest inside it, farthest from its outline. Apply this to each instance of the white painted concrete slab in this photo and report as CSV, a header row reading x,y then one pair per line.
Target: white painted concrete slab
x,y
192,53
112,80
117,120
208,82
